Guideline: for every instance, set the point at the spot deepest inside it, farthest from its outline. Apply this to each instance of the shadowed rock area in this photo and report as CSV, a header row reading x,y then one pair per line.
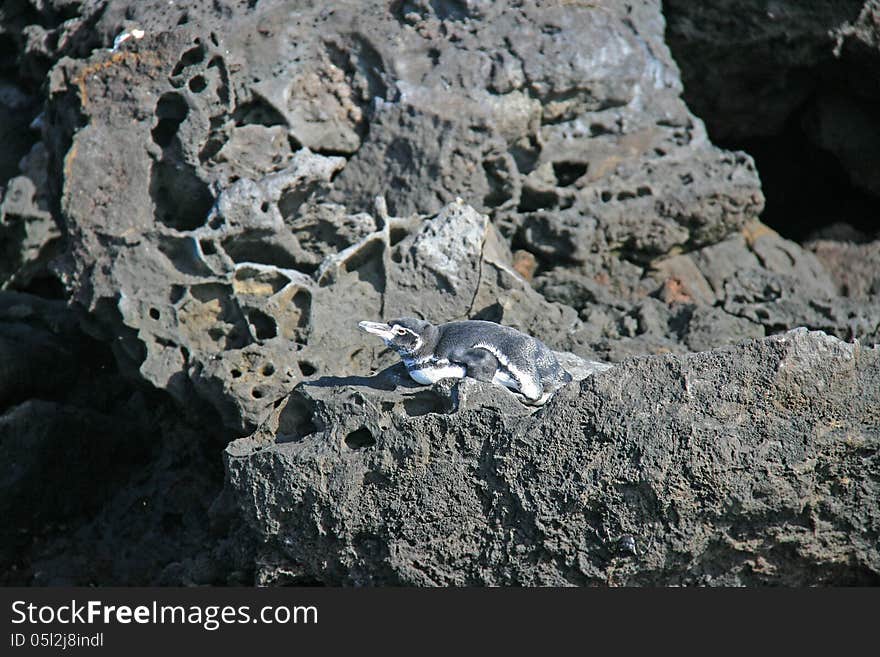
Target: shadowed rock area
x,y
198,203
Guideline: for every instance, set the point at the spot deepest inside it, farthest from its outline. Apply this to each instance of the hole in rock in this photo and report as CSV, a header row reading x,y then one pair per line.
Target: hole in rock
x,y
176,294
223,88
154,313
499,188
423,403
182,200
360,439
213,309
198,84
568,172
533,200
268,369
526,157
257,393
171,110
332,152
243,248
235,374
265,327
208,247
296,420
259,283
396,235
164,342
302,301
598,129
306,368
211,148
250,280
181,251
191,57
258,112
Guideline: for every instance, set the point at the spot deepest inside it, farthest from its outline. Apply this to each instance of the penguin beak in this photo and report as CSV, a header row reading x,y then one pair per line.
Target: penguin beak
x,y
382,330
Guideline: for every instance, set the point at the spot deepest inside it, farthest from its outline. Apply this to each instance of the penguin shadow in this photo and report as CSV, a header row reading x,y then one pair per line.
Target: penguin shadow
x,y
415,399
390,379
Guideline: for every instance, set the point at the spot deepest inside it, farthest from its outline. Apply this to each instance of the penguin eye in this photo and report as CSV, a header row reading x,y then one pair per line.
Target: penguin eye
x,y
400,331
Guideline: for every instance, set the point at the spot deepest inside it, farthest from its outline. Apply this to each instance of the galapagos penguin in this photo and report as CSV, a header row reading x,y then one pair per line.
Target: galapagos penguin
x,y
479,349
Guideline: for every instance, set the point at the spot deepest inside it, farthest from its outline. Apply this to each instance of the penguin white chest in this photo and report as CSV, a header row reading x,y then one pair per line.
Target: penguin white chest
x,y
429,374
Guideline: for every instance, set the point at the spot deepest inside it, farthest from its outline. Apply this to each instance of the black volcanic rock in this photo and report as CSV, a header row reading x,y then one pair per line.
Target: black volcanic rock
x,y
745,465
199,201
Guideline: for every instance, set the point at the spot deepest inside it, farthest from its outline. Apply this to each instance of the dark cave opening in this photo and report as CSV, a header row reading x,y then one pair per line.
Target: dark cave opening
x,y
800,95
806,187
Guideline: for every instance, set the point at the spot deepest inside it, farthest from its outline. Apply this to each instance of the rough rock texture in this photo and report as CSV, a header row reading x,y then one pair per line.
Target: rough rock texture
x,y
795,84
721,43
198,202
855,267
203,230
745,465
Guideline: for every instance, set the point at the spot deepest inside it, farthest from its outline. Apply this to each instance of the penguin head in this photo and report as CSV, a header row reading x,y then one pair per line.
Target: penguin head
x,y
406,336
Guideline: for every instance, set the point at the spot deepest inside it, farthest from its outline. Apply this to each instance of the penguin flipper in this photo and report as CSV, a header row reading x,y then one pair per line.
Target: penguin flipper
x,y
479,363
